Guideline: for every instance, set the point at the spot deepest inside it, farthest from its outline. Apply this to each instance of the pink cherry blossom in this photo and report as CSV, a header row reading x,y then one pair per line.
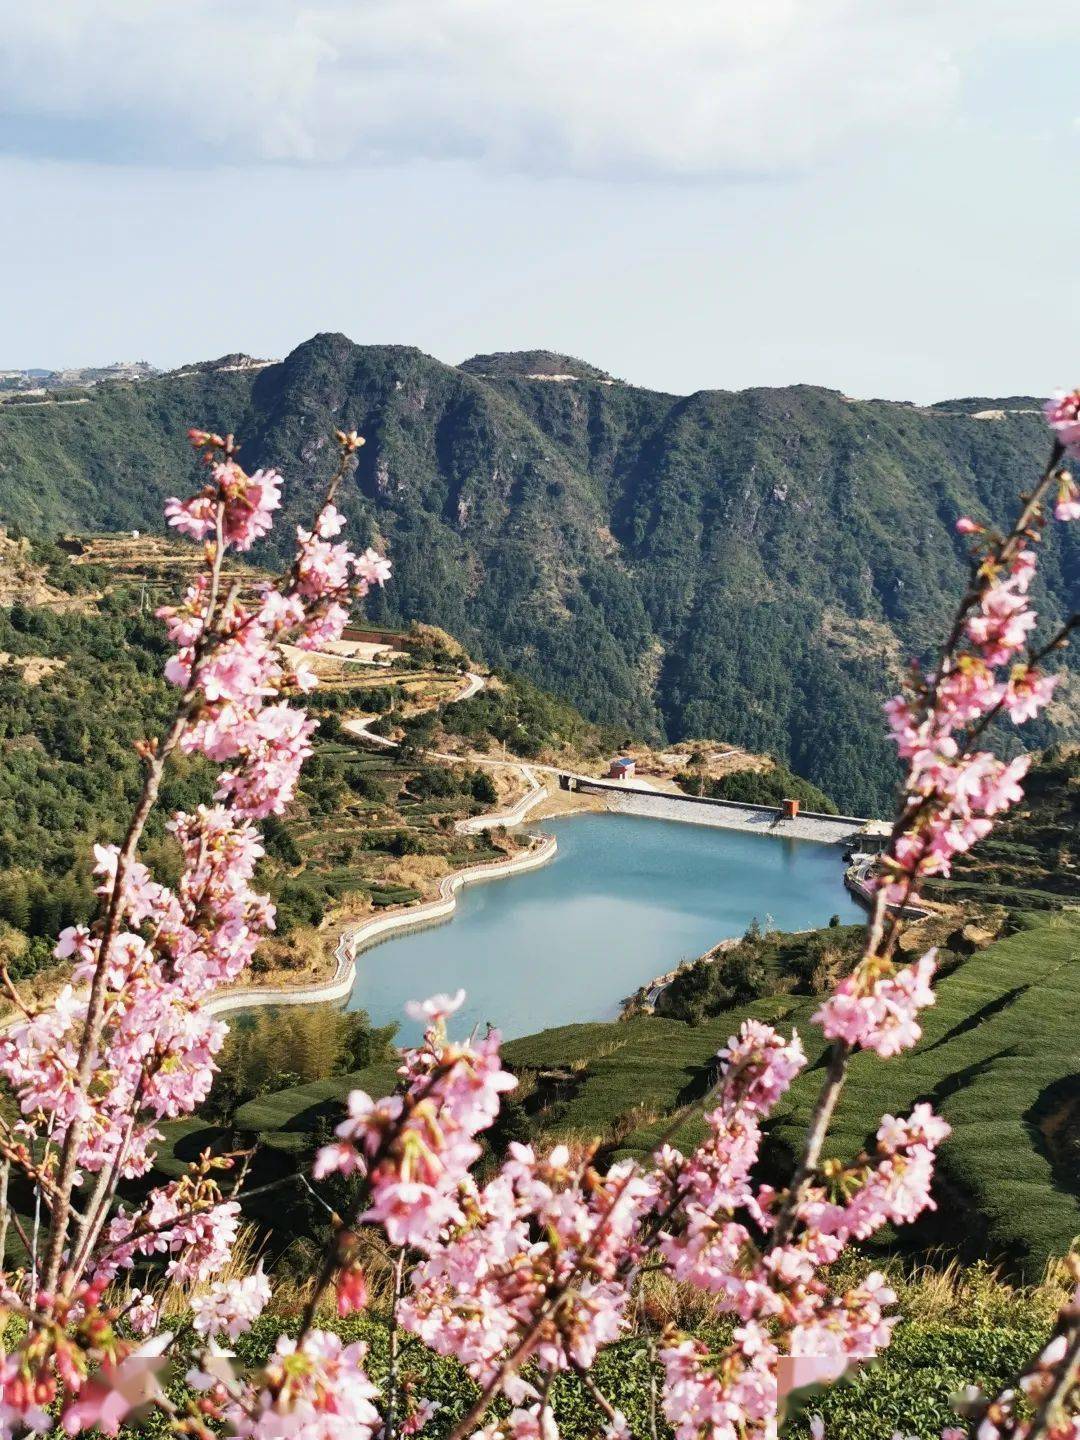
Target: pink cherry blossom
x,y
540,1252
436,1007
248,503
315,1390
416,1149
1027,693
231,1307
1067,504
759,1065
880,1014
1063,416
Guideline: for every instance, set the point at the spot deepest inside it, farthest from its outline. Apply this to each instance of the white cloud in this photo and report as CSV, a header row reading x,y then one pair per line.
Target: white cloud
x,y
587,87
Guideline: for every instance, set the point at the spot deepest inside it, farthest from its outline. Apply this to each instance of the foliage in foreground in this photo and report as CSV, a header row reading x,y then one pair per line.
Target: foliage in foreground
x,y
909,1390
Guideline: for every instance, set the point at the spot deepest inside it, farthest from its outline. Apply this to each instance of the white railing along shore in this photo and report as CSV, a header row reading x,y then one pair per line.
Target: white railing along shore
x,y
362,935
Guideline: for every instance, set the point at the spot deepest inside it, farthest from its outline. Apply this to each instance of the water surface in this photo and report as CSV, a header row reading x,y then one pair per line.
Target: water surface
x,y
624,899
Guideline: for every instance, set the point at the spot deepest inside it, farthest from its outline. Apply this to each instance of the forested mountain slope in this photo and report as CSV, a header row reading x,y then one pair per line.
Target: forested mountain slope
x,y
753,565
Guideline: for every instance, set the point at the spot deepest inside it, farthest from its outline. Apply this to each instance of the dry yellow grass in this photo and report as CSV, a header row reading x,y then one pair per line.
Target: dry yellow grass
x,y
978,1294
418,872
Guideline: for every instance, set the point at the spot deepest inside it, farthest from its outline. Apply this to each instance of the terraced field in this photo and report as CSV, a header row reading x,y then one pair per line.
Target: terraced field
x,y
1000,1057
286,1119
377,826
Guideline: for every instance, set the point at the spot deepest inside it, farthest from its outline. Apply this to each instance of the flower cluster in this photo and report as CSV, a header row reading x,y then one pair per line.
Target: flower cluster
x,y
875,1008
244,505
953,791
189,1223
316,1389
231,1307
415,1149
546,1256
1063,416
486,1284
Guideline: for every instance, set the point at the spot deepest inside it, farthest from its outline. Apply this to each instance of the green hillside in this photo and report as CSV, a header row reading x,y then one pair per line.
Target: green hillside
x,y
81,681
751,565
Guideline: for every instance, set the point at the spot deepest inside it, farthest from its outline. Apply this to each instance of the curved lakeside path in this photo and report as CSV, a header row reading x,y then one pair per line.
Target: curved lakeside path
x,y
363,934
359,936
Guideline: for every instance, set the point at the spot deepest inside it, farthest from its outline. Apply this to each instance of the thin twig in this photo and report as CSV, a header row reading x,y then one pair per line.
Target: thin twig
x,y
95,1011
5,1171
597,1396
652,1390
1051,1413
883,929
391,1379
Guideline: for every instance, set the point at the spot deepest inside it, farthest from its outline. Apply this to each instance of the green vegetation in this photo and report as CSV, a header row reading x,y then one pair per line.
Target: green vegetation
x,y
68,772
910,1389
1033,857
289,1119
364,815
764,962
292,1045
907,1391
998,1058
517,715
759,787
81,683
754,566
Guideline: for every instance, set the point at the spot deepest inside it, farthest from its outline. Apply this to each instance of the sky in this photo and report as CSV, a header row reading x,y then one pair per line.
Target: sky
x,y
874,195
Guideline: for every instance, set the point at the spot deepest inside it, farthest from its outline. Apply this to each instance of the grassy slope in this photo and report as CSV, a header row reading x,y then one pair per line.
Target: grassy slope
x,y
1001,1035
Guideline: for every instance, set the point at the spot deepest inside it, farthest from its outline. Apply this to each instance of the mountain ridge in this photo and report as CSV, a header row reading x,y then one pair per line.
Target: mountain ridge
x,y
752,564
502,364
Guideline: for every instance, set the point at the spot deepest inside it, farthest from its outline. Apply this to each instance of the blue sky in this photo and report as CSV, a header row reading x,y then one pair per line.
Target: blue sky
x,y
879,197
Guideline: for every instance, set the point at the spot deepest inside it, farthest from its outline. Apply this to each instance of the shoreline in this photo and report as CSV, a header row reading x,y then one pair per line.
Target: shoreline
x,y
516,815
652,989
601,797
364,935
359,936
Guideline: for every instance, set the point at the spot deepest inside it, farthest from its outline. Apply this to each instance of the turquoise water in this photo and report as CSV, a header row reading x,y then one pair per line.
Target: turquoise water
x,y
623,900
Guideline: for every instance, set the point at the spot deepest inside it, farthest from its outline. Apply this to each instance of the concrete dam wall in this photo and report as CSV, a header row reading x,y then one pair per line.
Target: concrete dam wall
x,y
724,814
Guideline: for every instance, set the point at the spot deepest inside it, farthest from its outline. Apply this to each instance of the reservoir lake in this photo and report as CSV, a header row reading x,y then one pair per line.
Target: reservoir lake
x,y
624,899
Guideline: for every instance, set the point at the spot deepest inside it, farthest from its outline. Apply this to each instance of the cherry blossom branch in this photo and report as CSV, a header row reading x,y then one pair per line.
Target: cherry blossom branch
x,y
981,578
885,925
507,1367
599,1399
1052,1415
5,1173
542,1260
96,1005
1048,1381
816,1131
